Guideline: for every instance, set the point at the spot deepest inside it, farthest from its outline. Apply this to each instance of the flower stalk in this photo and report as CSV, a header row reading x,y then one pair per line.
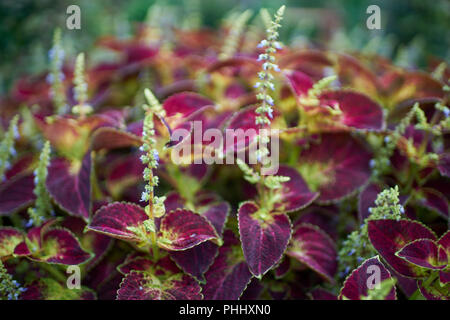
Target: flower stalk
x,y
357,247
232,40
10,289
150,158
265,85
56,76
7,146
42,208
81,87
265,111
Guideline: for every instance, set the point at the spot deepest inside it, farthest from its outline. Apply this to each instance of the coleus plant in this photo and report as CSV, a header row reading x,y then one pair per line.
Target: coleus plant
x,y
358,208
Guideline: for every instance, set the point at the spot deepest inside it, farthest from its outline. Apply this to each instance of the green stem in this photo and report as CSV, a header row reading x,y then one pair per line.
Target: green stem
x,y
261,191
293,156
155,248
54,272
153,235
417,294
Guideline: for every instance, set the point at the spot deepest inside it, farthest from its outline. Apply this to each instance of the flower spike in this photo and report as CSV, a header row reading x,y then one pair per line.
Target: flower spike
x,y
7,145
357,247
43,204
81,88
232,40
271,45
150,158
9,288
56,76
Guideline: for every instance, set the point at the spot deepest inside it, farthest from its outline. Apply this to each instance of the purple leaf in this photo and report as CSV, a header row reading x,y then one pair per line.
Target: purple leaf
x,y
313,247
94,242
336,167
48,245
16,193
362,279
197,260
424,253
358,110
435,201
60,246
283,268
183,229
294,194
115,218
69,184
299,82
264,237
228,277
112,138
145,286
244,119
389,236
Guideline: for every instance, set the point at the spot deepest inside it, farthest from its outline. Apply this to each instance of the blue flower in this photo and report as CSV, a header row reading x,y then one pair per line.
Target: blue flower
x,y
347,270
29,223
16,132
144,197
156,155
262,44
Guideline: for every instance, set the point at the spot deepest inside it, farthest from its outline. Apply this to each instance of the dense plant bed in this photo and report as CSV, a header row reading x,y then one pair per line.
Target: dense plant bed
x,y
358,207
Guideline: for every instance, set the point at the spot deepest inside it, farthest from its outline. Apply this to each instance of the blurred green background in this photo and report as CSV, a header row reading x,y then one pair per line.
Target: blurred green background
x,y
412,30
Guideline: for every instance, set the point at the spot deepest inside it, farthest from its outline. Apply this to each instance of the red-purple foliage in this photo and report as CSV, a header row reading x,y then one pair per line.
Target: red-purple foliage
x,y
221,237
